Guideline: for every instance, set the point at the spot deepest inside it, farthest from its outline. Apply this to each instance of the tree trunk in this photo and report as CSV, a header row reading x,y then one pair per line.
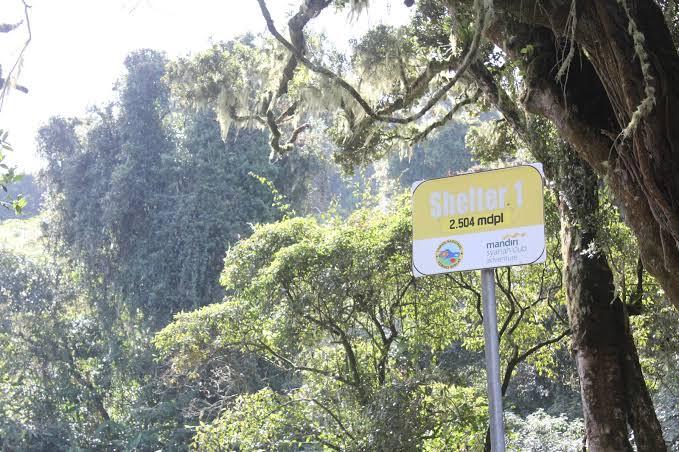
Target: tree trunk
x,y
641,413
613,389
624,76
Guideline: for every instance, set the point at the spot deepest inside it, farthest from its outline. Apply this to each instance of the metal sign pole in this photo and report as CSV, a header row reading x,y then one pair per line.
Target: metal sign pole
x,y
492,349
476,221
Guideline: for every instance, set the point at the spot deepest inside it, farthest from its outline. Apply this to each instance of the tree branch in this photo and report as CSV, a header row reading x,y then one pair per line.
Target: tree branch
x,y
414,90
8,82
335,417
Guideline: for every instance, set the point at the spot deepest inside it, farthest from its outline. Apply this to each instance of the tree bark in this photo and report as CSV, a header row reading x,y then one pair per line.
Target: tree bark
x,y
640,411
623,56
596,319
613,389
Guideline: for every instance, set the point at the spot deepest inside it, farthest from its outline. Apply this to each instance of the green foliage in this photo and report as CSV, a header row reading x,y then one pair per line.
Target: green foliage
x,y
540,429
230,77
279,201
51,372
323,340
9,176
142,203
442,155
26,195
123,186
70,375
23,237
492,141
360,343
299,420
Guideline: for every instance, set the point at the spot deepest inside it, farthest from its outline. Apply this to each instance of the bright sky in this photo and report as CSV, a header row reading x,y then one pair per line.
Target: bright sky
x,y
78,48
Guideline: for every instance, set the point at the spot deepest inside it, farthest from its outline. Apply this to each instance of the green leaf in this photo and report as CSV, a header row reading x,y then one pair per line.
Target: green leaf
x,y
19,204
528,50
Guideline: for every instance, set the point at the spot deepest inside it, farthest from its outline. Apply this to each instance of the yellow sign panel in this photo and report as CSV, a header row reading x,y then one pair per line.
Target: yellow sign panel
x,y
477,202
471,215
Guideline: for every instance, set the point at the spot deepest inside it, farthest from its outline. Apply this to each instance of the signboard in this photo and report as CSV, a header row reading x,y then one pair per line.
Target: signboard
x,y
479,220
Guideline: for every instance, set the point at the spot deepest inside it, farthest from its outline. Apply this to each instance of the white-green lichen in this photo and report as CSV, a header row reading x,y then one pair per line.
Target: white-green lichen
x,y
648,102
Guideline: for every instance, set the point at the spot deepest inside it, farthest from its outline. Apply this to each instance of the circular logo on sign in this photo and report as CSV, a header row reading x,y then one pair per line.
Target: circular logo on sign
x,y
449,254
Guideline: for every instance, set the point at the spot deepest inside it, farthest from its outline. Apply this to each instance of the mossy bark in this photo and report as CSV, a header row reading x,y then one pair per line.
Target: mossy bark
x,y
624,56
613,389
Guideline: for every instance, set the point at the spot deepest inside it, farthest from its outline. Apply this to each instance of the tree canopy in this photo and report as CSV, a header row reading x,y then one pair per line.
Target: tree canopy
x,y
601,72
222,257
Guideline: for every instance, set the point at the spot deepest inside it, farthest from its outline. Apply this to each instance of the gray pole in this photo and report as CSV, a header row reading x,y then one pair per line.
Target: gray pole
x,y
497,429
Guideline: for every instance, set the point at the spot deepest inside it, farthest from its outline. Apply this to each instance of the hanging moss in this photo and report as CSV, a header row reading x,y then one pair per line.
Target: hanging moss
x,y
646,105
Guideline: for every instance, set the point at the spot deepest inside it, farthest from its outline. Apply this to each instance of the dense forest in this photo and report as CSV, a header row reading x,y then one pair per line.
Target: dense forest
x,y
220,257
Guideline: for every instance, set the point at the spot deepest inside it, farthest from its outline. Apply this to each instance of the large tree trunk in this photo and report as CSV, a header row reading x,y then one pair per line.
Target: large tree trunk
x,y
613,389
624,57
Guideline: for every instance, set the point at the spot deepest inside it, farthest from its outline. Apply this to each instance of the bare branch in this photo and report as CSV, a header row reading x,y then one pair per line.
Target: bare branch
x,y
8,80
292,366
335,418
507,291
412,93
421,136
309,64
288,113
246,118
519,358
297,131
